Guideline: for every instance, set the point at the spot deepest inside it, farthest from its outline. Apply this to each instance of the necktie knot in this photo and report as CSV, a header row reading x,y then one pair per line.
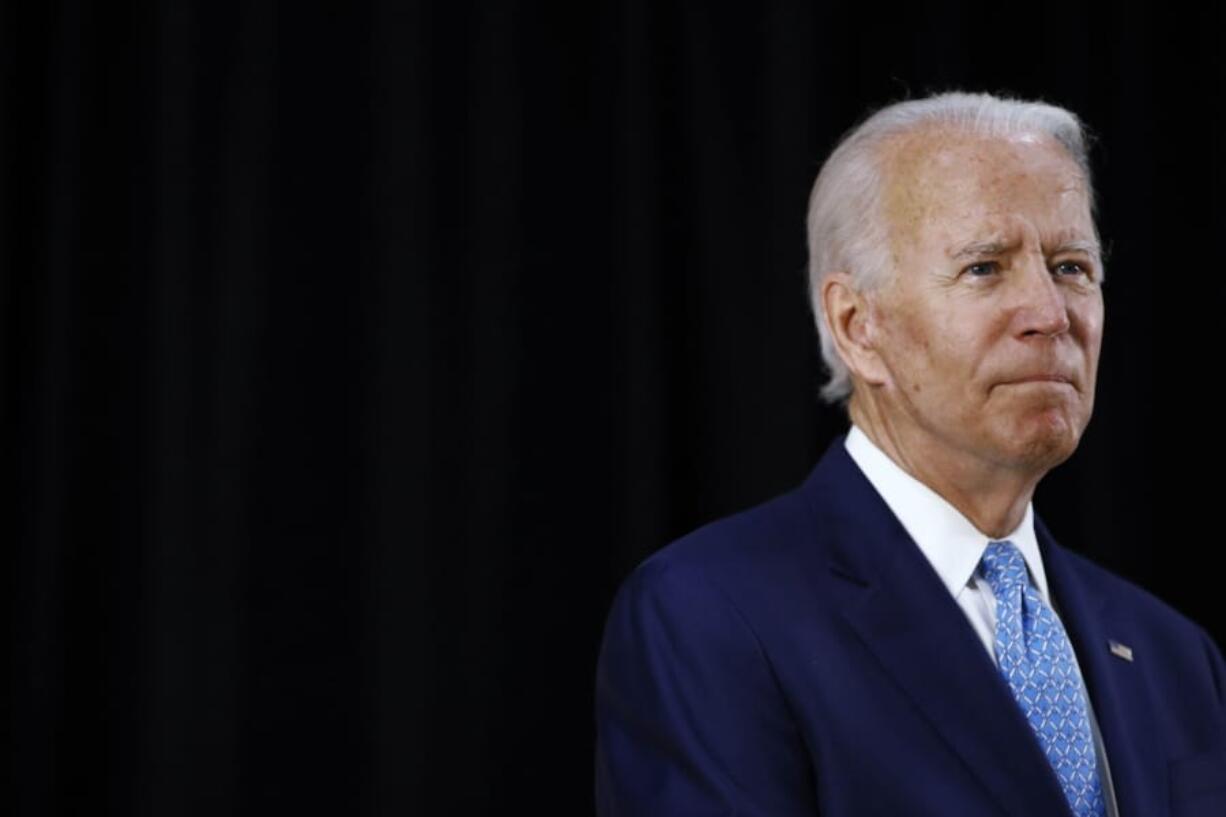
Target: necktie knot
x,y
1004,568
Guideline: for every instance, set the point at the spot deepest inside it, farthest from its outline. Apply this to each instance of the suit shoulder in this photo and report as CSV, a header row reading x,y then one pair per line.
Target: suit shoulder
x,y
1127,596
735,545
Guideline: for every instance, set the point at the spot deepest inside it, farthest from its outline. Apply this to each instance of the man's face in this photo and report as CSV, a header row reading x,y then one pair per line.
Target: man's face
x,y
997,282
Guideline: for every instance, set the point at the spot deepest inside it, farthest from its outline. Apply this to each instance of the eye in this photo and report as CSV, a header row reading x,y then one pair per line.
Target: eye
x,y
1077,267
981,269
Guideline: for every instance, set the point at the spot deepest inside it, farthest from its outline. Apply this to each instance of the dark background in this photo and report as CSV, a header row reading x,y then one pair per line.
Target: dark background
x,y
353,355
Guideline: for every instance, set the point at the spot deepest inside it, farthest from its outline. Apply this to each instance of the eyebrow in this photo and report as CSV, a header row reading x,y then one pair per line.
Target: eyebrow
x,y
998,247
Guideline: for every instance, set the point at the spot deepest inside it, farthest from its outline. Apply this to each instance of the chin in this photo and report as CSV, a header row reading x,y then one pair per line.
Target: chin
x,y
1047,440
1046,453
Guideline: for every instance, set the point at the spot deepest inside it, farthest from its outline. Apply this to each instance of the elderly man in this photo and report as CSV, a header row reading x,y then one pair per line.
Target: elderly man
x,y
901,634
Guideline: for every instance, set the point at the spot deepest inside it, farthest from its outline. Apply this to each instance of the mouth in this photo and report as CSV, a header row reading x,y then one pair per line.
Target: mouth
x,y
1044,379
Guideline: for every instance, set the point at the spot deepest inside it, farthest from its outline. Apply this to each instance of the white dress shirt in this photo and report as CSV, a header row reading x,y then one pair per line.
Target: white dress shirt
x,y
954,547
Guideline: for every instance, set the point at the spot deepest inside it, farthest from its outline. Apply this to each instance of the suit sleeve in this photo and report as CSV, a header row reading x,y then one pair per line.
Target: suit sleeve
x,y
1217,665
690,718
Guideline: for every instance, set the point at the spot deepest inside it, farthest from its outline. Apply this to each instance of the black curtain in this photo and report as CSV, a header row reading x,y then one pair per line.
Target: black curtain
x,y
355,352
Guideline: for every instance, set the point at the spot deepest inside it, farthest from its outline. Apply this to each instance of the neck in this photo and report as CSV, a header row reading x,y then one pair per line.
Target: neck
x,y
992,498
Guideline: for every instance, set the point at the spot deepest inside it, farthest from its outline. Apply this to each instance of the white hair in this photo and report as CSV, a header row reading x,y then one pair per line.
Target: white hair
x,y
846,225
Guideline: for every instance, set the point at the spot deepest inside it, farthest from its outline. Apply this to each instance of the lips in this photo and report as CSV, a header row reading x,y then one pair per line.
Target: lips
x,y
1044,378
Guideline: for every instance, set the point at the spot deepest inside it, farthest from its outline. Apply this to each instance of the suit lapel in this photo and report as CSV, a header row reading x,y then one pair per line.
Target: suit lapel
x,y
1116,686
896,603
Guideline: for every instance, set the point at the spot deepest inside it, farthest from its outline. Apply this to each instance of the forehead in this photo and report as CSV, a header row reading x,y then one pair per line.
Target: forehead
x,y
942,186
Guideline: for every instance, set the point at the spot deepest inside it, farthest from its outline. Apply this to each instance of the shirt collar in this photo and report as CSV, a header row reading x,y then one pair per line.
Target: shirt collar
x,y
952,544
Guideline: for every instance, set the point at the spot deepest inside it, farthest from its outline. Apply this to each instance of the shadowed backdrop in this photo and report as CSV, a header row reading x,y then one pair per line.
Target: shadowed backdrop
x,y
353,355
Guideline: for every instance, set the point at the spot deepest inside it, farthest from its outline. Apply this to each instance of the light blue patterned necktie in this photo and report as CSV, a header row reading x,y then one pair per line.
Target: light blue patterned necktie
x,y
1036,658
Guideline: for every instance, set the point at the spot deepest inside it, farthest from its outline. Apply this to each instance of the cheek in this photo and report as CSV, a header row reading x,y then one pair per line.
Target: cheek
x,y
1089,314
1094,333
930,358
913,337
950,356
936,369
911,357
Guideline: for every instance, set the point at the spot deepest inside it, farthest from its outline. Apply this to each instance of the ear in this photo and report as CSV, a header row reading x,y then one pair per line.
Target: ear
x,y
855,328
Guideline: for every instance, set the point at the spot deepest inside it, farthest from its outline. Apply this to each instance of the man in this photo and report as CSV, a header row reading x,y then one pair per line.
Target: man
x,y
901,634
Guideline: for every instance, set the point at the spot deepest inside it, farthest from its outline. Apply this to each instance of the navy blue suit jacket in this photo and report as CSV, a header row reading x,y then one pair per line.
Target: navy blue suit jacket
x,y
802,657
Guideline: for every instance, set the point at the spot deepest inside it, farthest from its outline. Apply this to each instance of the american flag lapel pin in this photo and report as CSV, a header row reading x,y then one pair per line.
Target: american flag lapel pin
x,y
1120,650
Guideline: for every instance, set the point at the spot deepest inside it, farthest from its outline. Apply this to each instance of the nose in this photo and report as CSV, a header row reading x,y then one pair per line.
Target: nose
x,y
1042,306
